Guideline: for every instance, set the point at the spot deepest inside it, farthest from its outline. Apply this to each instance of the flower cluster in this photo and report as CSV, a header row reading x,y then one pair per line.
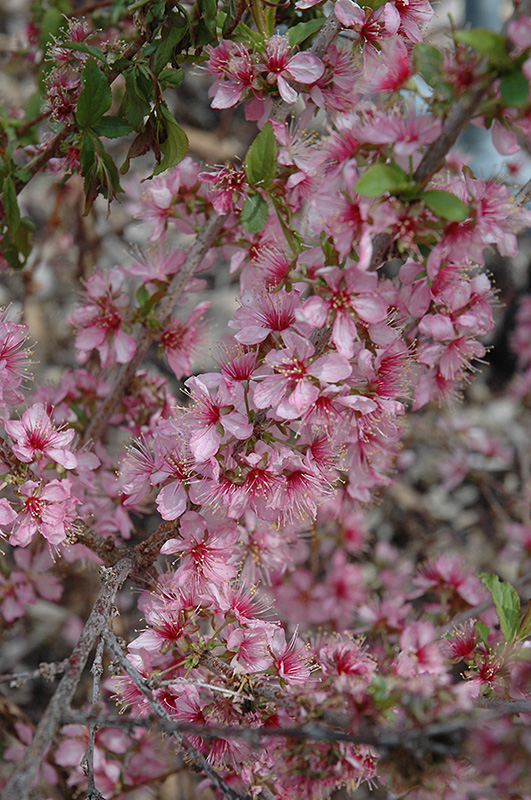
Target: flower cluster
x,y
282,598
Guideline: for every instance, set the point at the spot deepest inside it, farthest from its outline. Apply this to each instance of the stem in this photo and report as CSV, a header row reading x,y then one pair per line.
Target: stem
x,y
197,252
21,781
87,762
195,756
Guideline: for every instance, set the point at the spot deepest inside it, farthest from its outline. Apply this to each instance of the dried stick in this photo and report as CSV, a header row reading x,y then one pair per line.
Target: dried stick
x,y
87,762
19,785
195,756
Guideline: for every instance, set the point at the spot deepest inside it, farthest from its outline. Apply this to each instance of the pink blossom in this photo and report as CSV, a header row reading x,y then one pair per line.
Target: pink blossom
x,y
14,360
48,510
101,318
180,341
281,66
203,553
252,652
210,420
419,651
389,69
36,437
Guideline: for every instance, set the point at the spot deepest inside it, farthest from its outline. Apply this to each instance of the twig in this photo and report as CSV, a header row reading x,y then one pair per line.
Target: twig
x,y
47,670
22,778
54,144
429,738
196,757
197,252
87,762
78,12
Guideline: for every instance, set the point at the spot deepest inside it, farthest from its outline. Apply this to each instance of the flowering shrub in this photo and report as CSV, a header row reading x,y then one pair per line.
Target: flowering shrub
x,y
280,642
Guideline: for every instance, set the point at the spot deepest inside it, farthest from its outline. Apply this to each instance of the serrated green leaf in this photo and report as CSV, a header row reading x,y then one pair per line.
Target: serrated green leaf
x,y
381,178
95,98
507,604
112,127
133,107
298,33
514,90
175,147
486,42
445,205
260,161
254,213
11,207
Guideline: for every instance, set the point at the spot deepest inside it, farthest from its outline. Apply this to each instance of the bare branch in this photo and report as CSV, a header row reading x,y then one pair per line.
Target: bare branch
x,y
47,670
22,778
87,762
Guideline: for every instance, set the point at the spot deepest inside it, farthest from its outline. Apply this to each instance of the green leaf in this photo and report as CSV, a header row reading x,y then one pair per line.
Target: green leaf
x,y
11,207
171,37
50,25
142,296
482,631
381,178
133,107
113,127
428,60
171,78
445,205
486,42
260,161
507,605
303,30
87,154
524,629
254,213
175,147
95,98
514,90
81,47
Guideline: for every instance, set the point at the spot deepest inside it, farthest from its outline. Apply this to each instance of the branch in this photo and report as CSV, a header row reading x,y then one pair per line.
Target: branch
x,y
164,718
46,670
53,146
197,252
428,738
87,762
19,785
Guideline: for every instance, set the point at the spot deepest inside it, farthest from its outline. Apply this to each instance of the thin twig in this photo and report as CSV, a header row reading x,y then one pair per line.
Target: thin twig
x,y
19,784
46,670
87,762
427,737
196,254
78,12
196,757
53,146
